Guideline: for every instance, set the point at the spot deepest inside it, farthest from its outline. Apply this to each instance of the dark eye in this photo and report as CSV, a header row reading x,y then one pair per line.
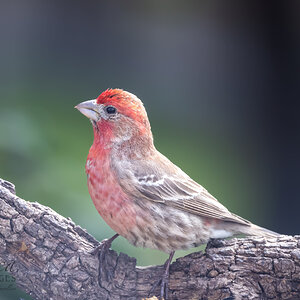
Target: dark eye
x,y
110,110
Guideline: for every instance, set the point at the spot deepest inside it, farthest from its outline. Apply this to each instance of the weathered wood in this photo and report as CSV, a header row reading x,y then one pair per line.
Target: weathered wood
x,y
52,260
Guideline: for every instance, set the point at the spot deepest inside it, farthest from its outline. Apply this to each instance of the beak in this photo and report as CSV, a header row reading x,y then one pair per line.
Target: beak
x,y
89,109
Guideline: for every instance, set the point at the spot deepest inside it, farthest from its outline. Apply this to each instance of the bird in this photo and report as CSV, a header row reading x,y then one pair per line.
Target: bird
x,y
140,193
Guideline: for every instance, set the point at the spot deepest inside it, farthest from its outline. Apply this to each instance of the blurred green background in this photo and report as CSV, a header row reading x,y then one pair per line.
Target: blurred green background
x,y
220,82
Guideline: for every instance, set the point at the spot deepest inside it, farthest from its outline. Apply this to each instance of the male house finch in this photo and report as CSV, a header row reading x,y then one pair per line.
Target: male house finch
x,y
141,194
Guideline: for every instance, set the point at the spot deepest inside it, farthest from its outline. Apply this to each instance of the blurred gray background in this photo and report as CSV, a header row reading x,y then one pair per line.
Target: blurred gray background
x,y
219,79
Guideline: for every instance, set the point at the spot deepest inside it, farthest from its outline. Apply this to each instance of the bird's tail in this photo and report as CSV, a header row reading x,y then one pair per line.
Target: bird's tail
x,y
259,231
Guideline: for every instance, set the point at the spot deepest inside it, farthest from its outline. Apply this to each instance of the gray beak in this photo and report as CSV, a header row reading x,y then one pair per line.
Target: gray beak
x,y
89,109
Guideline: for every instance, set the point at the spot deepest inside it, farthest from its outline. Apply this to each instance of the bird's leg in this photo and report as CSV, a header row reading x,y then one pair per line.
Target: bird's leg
x,y
102,249
164,280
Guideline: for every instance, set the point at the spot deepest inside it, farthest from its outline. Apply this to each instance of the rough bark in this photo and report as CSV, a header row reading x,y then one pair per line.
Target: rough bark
x,y
52,259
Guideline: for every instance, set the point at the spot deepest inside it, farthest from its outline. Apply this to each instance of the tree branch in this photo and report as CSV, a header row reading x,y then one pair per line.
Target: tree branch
x,y
52,259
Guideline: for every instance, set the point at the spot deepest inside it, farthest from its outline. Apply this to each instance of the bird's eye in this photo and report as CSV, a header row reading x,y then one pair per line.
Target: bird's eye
x,y
110,110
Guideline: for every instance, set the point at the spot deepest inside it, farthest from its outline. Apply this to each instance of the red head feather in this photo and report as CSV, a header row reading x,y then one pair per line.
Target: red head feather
x,y
126,104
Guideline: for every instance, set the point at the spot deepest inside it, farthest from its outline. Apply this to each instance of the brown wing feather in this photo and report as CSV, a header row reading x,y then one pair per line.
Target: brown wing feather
x,y
183,196
158,182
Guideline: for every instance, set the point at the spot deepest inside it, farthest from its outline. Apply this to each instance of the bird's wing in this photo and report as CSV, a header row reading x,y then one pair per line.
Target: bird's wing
x,y
161,181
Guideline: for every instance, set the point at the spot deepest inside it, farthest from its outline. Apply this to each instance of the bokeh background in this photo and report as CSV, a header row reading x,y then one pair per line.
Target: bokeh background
x,y
219,79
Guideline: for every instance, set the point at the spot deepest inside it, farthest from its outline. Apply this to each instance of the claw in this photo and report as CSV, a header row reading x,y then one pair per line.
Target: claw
x,y
164,281
101,251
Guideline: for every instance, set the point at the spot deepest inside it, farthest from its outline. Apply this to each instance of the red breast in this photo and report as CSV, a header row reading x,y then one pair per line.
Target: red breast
x,y
112,203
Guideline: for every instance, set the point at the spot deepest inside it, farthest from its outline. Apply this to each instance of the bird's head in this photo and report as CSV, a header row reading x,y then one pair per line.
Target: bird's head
x,y
116,115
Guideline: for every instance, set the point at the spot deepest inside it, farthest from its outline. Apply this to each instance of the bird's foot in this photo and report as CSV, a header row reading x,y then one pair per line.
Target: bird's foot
x,y
101,251
164,281
164,287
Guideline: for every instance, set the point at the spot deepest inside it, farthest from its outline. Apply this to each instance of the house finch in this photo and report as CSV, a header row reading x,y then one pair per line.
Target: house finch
x,y
140,193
